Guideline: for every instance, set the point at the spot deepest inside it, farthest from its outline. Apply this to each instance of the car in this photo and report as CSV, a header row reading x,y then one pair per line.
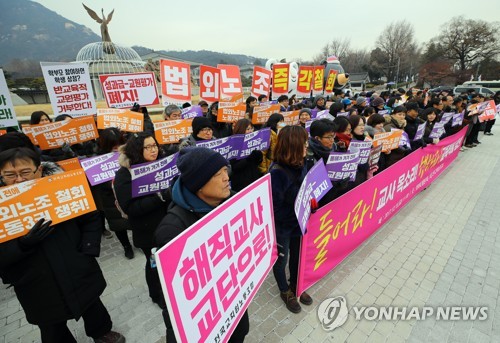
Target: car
x,y
437,90
478,89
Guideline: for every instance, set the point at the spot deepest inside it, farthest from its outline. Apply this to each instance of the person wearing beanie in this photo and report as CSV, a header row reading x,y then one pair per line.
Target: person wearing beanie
x,y
378,104
319,103
204,107
203,185
202,131
347,104
304,116
360,104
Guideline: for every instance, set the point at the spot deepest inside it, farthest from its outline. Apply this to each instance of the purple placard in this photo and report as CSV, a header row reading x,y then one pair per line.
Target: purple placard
x,y
325,115
445,118
458,118
375,155
192,111
343,114
363,147
342,165
228,147
315,185
152,177
420,132
257,140
383,112
437,130
314,113
405,140
102,168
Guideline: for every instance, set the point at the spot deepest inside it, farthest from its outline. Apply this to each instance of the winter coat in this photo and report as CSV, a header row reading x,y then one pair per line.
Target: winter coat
x,y
411,129
268,155
396,154
144,212
48,168
116,222
60,278
285,184
245,171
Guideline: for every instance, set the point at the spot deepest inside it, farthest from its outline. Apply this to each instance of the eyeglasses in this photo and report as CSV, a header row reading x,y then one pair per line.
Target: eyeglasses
x,y
206,130
24,174
151,147
331,138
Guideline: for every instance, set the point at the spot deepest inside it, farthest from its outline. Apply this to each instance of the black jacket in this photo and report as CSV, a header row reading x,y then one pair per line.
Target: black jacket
x,y
411,129
144,212
106,197
60,278
245,171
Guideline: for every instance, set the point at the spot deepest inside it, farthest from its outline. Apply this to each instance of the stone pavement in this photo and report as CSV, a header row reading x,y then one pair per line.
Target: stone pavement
x,y
442,249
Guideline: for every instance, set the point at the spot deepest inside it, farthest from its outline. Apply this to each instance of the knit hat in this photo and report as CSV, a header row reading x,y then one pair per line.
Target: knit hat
x,y
346,101
199,123
306,110
360,100
378,101
197,165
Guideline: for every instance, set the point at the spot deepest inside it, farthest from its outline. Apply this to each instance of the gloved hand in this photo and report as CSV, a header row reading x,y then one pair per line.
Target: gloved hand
x,y
37,234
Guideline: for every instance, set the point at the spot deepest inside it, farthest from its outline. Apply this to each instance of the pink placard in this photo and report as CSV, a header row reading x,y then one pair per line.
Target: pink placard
x,y
211,272
338,228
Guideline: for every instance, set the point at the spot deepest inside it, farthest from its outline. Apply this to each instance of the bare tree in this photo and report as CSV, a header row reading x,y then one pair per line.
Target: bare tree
x,y
468,41
340,47
356,61
397,45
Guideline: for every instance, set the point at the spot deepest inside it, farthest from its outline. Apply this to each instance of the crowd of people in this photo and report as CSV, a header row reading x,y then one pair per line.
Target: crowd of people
x,y
61,259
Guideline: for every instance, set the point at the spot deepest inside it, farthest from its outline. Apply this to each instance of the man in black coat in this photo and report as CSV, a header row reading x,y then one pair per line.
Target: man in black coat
x,y
202,186
53,269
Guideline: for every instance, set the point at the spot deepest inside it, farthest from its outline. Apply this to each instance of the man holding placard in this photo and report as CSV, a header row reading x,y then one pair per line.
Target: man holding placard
x,y
53,269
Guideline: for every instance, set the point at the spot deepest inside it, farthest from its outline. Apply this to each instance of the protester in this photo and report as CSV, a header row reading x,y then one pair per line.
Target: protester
x,y
276,121
39,117
246,170
397,121
109,141
378,104
202,186
283,102
144,212
368,111
53,269
413,121
204,107
304,116
336,108
250,102
375,124
342,133
360,104
202,131
172,112
263,98
319,103
431,113
219,130
287,174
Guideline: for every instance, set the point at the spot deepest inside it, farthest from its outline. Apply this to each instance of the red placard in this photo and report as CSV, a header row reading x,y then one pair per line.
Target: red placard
x,y
175,82
304,83
209,83
261,81
281,76
318,75
123,90
230,81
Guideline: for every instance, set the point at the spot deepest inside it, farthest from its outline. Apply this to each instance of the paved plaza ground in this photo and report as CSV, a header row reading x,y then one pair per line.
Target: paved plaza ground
x,y
442,249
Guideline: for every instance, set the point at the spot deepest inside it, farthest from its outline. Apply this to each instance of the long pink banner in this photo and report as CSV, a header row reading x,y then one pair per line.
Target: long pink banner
x,y
338,228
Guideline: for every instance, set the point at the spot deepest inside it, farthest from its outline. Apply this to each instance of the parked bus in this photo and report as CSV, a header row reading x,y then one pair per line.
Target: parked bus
x,y
493,85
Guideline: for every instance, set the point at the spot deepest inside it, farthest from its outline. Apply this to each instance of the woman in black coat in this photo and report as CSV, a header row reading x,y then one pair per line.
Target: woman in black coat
x,y
246,170
144,212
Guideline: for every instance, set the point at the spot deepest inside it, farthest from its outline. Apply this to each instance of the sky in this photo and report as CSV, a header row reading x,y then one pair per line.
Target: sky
x,y
279,29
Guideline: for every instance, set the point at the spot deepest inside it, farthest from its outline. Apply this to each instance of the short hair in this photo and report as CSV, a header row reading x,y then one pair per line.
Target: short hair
x,y
24,154
319,127
399,109
368,111
335,108
282,98
342,123
15,140
262,96
375,120
354,120
434,101
392,100
63,117
241,126
109,138
36,117
171,109
289,149
412,106
430,110
250,99
273,120
134,148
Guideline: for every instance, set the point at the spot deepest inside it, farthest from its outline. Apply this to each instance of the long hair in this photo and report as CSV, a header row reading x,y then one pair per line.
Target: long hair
x,y
290,146
37,116
273,121
109,138
134,148
241,126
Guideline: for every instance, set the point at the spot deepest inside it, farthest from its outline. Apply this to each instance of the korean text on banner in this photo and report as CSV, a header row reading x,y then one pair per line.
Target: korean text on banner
x,y
125,120
261,113
123,90
228,147
152,177
69,88
291,117
209,84
317,81
458,118
420,131
343,165
211,272
231,114
70,164
281,78
102,168
388,140
171,131
230,81
338,228
7,113
191,112
364,148
261,81
315,185
28,131
175,82
330,81
489,111
58,197
304,83
54,135
257,140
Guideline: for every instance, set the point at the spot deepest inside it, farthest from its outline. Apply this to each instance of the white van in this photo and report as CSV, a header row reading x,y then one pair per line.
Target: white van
x,y
478,89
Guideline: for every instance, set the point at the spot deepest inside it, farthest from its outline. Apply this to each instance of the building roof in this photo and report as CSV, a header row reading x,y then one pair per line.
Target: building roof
x,y
358,77
154,56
